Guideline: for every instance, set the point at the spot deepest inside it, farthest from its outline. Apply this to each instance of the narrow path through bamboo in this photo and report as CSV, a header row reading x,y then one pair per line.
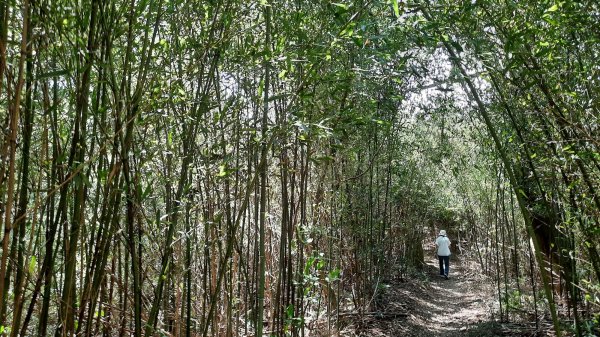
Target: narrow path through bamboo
x,y
460,306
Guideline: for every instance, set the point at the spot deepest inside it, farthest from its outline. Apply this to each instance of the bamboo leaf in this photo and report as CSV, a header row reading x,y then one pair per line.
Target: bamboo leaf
x,y
340,5
51,74
222,171
396,9
32,265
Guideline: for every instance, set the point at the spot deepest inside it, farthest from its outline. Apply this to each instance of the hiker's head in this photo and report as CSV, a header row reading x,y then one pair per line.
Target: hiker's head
x,y
443,232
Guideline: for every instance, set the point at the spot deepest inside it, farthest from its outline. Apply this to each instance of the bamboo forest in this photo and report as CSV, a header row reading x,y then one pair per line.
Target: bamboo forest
x,y
295,168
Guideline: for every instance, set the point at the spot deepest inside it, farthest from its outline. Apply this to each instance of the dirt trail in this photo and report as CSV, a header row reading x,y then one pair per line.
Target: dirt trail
x,y
458,307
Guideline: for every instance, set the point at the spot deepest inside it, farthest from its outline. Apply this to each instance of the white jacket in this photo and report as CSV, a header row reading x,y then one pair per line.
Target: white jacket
x,y
443,244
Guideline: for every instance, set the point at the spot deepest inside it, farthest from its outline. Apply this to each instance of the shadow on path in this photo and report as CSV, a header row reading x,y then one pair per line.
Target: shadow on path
x,y
460,306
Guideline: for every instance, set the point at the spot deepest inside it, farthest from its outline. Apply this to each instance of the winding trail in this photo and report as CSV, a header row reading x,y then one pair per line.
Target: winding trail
x,y
458,307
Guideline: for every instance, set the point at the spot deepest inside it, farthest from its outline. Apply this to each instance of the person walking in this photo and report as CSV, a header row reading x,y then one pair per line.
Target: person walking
x,y
443,252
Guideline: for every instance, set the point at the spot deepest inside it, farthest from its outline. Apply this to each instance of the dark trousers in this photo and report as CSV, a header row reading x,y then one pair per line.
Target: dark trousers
x,y
444,265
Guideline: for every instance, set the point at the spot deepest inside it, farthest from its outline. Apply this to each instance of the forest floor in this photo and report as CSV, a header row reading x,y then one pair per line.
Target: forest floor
x,y
426,304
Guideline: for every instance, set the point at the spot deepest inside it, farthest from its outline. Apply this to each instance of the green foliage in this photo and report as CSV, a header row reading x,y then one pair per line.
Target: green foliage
x,y
32,265
372,143
591,327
